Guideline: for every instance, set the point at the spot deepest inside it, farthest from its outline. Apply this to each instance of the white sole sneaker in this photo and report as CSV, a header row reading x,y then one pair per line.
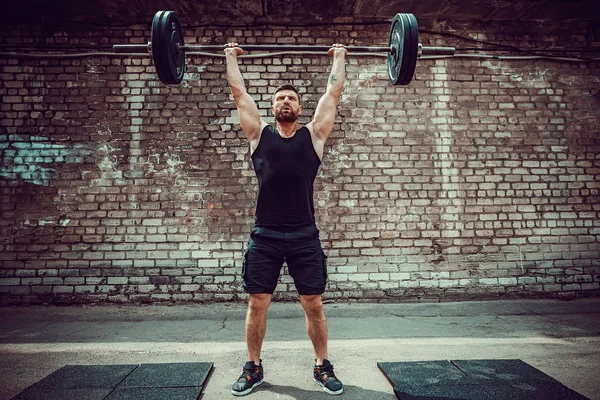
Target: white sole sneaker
x,y
327,390
247,391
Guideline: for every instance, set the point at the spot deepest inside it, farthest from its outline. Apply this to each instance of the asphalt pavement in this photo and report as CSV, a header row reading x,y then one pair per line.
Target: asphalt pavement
x,y
560,338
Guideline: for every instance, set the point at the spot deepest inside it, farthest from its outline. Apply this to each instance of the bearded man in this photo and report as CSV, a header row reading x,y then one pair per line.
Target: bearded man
x,y
286,159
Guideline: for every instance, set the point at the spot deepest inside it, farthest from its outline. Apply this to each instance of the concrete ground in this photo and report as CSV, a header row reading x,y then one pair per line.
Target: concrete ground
x,y
559,338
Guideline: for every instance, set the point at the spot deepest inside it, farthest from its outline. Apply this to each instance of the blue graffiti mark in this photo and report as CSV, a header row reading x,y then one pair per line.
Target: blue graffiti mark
x,y
30,158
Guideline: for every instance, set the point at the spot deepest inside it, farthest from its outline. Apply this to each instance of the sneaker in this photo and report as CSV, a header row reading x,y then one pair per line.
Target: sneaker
x,y
325,377
250,378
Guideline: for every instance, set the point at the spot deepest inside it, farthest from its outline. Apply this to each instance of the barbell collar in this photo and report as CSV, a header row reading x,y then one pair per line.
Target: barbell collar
x,y
132,48
437,51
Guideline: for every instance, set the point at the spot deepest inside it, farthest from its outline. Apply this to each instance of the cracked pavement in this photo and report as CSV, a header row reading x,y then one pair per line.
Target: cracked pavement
x,y
560,338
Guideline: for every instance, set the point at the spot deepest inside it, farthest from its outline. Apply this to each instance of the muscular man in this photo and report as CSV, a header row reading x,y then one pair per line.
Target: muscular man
x,y
286,159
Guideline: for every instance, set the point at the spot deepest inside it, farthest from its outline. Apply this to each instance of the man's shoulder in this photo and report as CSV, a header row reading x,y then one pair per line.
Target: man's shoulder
x,y
265,127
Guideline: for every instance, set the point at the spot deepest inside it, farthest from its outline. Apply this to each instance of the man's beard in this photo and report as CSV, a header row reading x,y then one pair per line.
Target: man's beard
x,y
286,116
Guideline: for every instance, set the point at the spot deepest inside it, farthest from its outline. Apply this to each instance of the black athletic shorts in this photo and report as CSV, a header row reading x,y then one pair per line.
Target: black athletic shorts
x,y
268,249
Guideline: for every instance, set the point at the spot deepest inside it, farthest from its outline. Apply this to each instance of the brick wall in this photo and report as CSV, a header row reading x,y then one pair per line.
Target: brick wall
x,y
479,180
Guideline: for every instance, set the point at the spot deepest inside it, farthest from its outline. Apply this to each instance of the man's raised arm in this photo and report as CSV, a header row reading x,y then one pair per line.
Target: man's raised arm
x,y
250,120
322,122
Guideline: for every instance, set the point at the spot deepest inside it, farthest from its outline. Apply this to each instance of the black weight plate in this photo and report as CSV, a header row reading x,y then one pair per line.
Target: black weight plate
x,y
411,49
163,51
171,34
396,40
406,51
179,56
158,47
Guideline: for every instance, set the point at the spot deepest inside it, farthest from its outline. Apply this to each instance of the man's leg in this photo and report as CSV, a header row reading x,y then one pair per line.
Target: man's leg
x,y
307,265
316,324
256,324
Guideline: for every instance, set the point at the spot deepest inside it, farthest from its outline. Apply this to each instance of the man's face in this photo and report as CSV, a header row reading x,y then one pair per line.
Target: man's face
x,y
286,106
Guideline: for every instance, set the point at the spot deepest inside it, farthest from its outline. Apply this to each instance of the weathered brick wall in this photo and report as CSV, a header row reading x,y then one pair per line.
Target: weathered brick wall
x,y
478,180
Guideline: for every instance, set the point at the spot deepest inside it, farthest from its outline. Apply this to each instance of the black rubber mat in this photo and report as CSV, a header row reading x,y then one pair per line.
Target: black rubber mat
x,y
174,381
473,380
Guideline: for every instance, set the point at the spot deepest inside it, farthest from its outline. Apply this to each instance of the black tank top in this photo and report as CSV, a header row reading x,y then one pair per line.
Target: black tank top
x,y
286,169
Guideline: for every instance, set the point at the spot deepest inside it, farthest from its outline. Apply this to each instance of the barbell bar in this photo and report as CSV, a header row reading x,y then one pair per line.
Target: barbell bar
x,y
142,48
167,48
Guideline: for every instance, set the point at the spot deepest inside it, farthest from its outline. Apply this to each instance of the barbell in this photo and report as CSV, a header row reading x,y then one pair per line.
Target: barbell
x,y
167,48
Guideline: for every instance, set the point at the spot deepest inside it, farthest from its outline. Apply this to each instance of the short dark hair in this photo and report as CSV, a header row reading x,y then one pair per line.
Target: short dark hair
x,y
287,86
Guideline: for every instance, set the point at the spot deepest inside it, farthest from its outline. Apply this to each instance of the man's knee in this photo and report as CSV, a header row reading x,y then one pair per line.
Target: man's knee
x,y
313,306
259,302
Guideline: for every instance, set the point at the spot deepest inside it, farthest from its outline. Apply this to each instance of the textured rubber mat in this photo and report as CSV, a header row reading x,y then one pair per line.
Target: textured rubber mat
x,y
174,381
473,380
